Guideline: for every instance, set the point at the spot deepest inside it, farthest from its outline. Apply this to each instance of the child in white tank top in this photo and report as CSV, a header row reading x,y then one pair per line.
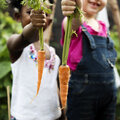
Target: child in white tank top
x,y
23,54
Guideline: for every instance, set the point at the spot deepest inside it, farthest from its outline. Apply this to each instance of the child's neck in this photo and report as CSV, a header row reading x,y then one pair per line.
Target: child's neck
x,y
92,22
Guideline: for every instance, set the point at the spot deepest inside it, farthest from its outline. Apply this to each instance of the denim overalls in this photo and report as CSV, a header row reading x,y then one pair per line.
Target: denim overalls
x,y
92,91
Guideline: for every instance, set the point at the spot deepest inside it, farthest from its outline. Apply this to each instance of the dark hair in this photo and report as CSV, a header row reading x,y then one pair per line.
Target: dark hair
x,y
12,4
51,1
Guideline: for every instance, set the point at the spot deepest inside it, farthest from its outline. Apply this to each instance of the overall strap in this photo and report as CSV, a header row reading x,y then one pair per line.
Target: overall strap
x,y
90,38
110,42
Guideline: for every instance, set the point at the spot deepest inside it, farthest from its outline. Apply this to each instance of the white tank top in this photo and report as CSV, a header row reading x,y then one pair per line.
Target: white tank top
x,y
25,75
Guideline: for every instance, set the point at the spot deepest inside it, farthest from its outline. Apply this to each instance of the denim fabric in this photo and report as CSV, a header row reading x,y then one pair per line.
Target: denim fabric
x,y
92,90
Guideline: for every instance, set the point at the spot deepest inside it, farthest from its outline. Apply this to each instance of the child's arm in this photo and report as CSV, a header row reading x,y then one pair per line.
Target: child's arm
x,y
68,7
17,42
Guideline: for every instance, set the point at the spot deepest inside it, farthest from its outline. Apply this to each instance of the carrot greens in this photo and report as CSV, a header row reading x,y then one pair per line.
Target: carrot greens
x,y
68,33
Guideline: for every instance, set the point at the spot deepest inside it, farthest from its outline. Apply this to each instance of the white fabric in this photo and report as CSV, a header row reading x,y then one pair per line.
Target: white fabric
x,y
25,75
102,15
117,77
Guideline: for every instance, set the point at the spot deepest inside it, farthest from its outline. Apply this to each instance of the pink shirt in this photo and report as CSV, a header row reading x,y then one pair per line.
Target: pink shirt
x,y
75,50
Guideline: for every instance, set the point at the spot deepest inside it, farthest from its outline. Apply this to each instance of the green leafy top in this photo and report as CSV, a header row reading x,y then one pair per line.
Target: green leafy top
x,y
38,4
77,14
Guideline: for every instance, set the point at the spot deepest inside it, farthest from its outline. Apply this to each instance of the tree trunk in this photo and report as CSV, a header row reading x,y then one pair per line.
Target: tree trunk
x,y
116,14
56,36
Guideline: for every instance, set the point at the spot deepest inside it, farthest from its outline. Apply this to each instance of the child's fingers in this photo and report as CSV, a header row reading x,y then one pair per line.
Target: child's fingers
x,y
67,13
68,2
38,25
68,7
39,13
36,16
67,10
38,21
36,11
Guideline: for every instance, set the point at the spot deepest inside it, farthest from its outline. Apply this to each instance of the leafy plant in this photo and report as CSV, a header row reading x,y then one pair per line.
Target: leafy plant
x,y
116,40
38,4
115,37
7,27
3,4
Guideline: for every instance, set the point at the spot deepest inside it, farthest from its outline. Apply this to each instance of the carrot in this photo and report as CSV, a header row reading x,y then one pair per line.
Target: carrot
x,y
37,5
41,59
64,75
64,70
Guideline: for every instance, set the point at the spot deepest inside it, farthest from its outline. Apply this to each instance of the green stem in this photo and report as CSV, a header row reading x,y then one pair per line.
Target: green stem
x,y
67,39
41,38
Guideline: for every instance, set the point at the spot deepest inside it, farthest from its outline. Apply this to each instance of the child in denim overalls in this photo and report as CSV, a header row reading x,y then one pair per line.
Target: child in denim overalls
x,y
92,91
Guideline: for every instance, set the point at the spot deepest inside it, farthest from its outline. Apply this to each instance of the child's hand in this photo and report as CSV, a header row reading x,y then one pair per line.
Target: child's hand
x,y
68,6
38,18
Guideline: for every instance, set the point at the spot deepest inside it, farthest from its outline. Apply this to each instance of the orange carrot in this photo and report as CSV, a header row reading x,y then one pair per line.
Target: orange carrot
x,y
39,5
41,59
64,70
64,75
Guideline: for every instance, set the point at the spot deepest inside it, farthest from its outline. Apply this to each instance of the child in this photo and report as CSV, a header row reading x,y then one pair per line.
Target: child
x,y
92,90
23,53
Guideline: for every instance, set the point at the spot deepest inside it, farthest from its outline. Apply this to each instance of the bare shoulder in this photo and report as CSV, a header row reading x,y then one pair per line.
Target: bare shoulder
x,y
11,40
13,47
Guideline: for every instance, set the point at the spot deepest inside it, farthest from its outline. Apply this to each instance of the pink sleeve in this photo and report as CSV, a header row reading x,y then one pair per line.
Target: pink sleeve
x,y
103,31
62,35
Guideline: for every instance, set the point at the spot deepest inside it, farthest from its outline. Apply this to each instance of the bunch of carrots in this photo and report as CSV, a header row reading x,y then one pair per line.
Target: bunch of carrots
x,y
64,70
39,5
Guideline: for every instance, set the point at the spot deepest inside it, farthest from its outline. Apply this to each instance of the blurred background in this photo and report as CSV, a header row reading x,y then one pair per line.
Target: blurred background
x,y
8,26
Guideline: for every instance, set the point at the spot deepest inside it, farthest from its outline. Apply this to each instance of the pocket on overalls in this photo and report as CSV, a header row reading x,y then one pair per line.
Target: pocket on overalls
x,y
111,57
105,57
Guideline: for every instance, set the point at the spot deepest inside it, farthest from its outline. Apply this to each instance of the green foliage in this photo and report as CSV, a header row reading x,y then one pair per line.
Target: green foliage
x,y
7,27
116,40
4,68
38,4
3,4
